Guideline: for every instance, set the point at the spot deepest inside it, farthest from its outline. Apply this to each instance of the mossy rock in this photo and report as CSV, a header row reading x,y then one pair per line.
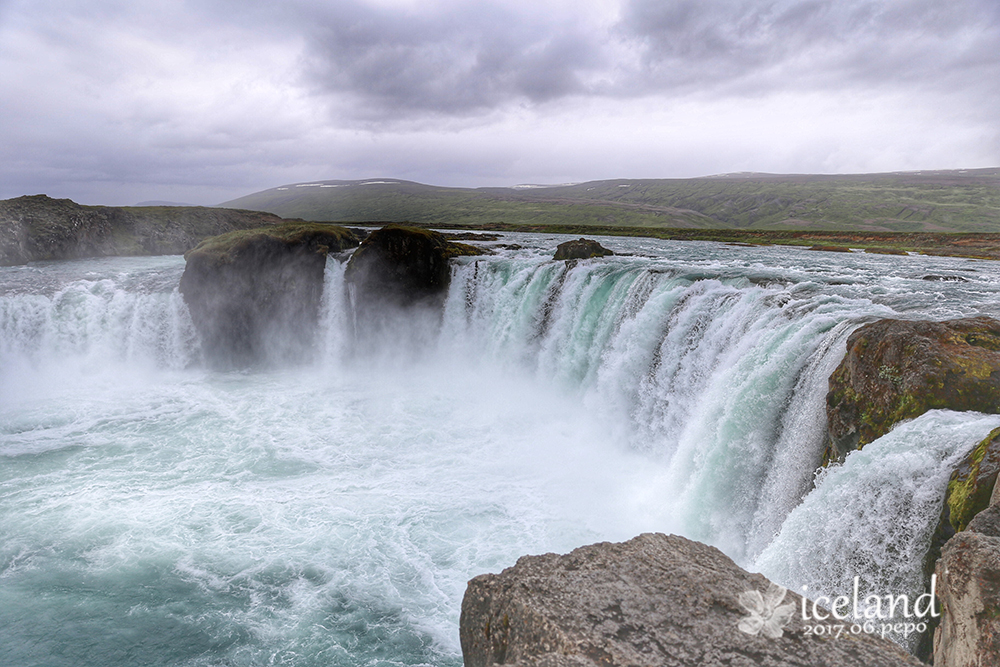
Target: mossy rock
x,y
580,249
254,295
971,485
316,237
896,370
969,492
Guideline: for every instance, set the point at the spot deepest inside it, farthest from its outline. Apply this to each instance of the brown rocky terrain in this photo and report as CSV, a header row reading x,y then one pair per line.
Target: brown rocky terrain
x,y
41,228
254,295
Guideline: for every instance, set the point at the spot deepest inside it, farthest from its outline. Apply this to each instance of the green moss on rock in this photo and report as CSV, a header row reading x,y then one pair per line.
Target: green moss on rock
x,y
971,485
896,370
318,237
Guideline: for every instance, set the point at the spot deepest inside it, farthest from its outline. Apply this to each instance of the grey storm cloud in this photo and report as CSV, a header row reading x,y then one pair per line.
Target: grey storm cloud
x,y
816,42
126,100
456,62
400,63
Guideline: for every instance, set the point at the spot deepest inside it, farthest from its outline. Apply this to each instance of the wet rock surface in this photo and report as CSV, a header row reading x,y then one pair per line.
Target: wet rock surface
x,y
254,295
655,600
968,585
580,249
402,266
970,491
896,369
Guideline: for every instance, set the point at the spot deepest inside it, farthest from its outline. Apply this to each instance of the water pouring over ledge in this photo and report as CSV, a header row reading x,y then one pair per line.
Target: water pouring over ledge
x,y
331,512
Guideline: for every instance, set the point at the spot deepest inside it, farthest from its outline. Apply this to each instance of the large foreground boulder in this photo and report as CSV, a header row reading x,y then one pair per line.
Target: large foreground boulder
x,y
255,295
656,600
896,370
968,586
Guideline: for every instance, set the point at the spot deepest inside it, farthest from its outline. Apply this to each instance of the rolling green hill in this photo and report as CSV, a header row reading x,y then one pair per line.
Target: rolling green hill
x,y
927,201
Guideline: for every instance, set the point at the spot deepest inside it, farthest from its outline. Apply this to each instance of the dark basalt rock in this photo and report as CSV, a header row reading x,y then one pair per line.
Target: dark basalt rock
x,y
254,295
656,601
38,228
580,249
401,266
896,370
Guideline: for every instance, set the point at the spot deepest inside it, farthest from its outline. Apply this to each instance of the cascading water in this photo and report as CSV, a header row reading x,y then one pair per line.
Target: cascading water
x,y
157,512
873,517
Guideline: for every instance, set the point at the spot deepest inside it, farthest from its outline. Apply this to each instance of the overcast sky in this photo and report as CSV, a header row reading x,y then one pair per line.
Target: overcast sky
x,y
201,101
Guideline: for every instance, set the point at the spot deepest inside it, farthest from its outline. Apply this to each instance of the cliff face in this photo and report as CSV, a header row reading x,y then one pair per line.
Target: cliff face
x,y
969,587
896,370
41,228
655,600
254,295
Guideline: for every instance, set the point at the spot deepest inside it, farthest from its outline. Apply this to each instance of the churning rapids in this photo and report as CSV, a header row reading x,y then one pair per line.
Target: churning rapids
x,y
155,512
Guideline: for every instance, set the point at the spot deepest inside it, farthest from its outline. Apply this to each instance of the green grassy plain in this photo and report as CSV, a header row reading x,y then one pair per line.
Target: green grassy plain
x,y
930,201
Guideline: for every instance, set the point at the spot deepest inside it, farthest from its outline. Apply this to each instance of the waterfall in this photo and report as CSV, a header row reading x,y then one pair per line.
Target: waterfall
x,y
873,516
721,380
336,509
87,321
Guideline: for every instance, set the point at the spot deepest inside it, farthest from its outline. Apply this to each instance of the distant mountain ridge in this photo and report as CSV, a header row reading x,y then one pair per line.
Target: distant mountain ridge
x,y
966,200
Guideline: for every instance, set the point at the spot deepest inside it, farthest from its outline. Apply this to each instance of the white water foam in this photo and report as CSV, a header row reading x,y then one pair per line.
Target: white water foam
x,y
331,513
873,516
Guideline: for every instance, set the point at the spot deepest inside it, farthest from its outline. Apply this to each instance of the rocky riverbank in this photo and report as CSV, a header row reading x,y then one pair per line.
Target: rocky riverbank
x,y
38,228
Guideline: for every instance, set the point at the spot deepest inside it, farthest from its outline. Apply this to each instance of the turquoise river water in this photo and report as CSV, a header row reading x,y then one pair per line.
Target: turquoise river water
x,y
155,512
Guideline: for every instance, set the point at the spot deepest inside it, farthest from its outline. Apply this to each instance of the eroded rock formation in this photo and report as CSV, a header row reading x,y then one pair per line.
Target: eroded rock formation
x,y
897,370
970,491
254,295
655,600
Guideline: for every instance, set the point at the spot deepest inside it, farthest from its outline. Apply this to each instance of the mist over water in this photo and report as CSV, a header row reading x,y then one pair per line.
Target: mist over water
x,y
155,512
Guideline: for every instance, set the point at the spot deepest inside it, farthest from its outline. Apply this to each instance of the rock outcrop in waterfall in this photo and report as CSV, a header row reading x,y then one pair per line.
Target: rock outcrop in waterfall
x,y
656,600
37,227
896,370
580,249
403,266
399,277
254,295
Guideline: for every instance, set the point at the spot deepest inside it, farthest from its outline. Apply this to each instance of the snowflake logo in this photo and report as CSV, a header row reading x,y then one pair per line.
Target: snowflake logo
x,y
767,615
